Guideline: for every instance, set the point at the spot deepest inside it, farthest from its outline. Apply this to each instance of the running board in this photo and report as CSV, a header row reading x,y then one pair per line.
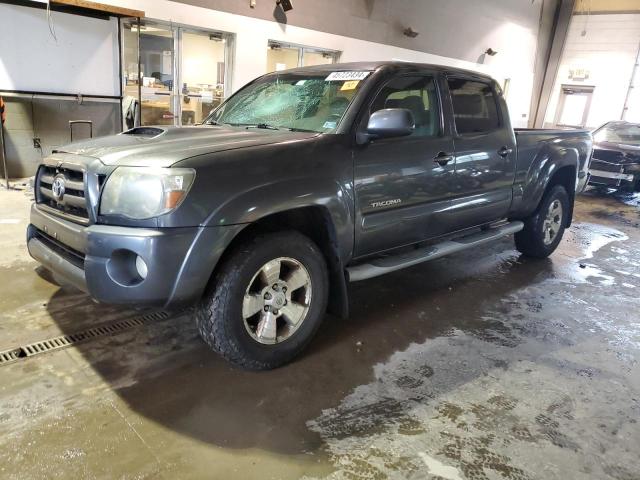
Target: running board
x,y
381,265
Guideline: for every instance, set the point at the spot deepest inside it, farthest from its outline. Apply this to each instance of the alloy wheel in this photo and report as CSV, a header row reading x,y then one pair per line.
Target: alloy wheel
x,y
277,300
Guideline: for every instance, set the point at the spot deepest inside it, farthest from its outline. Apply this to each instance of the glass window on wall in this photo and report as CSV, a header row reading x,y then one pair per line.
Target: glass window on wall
x,y
131,74
313,57
280,57
181,76
157,59
152,85
284,56
203,72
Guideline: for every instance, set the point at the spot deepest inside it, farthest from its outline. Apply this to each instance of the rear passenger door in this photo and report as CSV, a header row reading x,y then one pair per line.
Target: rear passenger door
x,y
485,152
400,182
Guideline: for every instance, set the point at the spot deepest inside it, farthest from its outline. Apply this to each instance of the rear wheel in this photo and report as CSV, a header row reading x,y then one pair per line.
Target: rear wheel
x,y
267,301
544,229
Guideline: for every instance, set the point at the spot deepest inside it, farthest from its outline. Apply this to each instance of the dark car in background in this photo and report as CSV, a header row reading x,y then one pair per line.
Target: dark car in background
x,y
616,156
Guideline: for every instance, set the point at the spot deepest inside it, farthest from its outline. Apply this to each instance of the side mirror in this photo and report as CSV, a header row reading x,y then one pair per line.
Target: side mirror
x,y
387,123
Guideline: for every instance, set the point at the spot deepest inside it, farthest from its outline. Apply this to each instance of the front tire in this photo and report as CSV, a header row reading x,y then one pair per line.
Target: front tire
x,y
266,302
544,229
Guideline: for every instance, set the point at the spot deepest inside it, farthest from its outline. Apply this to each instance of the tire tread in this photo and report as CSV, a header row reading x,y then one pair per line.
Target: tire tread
x,y
528,240
210,312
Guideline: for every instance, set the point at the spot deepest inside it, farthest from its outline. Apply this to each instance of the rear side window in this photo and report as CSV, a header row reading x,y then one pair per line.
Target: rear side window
x,y
474,106
417,94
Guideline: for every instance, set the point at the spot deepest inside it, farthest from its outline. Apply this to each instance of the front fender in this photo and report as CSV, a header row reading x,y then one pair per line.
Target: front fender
x,y
259,202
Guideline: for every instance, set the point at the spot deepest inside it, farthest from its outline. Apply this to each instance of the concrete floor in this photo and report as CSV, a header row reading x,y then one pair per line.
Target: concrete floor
x,y
479,366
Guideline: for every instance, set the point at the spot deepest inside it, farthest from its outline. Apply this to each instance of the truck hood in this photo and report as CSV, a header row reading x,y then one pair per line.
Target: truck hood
x,y
164,146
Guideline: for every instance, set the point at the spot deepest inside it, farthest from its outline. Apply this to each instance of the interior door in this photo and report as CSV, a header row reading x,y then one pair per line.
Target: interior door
x,y
157,75
400,185
574,105
201,74
485,155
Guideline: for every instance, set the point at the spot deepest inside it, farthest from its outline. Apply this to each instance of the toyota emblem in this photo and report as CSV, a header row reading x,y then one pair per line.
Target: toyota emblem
x,y
58,187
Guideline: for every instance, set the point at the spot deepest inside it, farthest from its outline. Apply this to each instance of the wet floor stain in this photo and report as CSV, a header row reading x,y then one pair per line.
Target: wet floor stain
x,y
497,367
520,393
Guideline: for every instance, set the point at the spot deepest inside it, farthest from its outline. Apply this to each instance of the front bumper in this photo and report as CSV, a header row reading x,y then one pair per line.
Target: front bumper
x,y
100,259
596,174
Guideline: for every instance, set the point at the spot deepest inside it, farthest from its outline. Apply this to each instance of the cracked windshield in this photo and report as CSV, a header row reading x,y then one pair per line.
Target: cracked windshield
x,y
314,103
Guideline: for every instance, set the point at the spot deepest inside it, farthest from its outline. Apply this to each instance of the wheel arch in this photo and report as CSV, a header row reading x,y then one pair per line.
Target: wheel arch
x,y
554,165
567,177
316,223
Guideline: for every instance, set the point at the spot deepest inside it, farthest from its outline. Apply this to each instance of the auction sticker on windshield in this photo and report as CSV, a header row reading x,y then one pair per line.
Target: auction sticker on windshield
x,y
346,76
350,85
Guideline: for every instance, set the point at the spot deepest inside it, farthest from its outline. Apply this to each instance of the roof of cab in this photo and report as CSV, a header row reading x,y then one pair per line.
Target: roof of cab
x,y
336,67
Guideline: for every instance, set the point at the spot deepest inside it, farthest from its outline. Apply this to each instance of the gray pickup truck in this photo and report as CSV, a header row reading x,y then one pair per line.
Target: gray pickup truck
x,y
301,182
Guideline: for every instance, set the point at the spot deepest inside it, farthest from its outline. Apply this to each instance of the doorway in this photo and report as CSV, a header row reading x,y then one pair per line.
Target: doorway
x,y
173,75
573,106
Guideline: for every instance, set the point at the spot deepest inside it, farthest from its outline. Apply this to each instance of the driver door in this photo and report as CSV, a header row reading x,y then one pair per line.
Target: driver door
x,y
402,183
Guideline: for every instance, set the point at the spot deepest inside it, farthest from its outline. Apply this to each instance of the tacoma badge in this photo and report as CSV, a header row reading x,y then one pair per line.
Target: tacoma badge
x,y
386,203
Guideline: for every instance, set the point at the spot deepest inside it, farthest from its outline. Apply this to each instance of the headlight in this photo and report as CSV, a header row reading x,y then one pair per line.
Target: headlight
x,y
143,192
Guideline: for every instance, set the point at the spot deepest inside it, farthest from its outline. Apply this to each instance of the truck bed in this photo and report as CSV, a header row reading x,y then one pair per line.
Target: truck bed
x,y
548,131
535,145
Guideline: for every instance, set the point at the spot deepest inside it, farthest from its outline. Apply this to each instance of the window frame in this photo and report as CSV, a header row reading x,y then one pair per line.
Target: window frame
x,y
177,55
366,108
302,49
485,81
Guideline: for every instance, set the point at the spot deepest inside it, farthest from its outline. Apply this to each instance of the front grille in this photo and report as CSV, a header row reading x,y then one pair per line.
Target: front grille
x,y
73,202
66,252
610,156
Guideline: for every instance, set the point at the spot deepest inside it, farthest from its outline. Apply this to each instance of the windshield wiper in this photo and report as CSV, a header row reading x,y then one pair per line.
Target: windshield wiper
x,y
294,129
264,126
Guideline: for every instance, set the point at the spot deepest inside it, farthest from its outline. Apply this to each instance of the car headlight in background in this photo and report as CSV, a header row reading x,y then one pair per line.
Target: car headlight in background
x,y
143,192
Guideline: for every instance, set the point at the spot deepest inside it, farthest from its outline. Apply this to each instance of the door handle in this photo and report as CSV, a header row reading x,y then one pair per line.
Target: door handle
x,y
443,158
504,151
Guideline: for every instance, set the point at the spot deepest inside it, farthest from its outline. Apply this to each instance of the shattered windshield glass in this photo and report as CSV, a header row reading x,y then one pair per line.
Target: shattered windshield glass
x,y
312,102
619,132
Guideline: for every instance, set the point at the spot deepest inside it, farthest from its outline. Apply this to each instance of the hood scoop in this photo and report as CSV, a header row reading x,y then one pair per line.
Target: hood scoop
x,y
145,131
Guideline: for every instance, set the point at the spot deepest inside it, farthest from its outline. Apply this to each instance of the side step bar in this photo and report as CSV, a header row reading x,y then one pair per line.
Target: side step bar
x,y
382,265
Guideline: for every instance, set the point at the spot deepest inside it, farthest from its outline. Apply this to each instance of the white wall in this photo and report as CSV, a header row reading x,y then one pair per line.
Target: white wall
x,y
608,51
515,60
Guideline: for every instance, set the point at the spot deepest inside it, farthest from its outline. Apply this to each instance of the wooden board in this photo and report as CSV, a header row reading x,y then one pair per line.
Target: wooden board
x,y
101,7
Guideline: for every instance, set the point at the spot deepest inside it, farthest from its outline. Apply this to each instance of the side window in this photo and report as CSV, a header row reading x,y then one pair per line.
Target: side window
x,y
474,106
417,94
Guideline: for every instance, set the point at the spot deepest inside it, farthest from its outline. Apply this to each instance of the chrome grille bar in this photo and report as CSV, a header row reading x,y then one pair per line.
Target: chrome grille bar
x,y
72,203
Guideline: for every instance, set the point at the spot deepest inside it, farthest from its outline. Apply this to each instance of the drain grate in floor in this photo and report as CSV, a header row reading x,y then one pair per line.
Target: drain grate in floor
x,y
63,341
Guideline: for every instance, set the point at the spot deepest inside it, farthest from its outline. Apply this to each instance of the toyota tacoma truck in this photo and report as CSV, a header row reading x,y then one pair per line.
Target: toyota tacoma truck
x,y
301,182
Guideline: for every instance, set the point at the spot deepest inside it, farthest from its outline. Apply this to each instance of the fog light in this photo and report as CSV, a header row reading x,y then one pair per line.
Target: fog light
x,y
141,267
